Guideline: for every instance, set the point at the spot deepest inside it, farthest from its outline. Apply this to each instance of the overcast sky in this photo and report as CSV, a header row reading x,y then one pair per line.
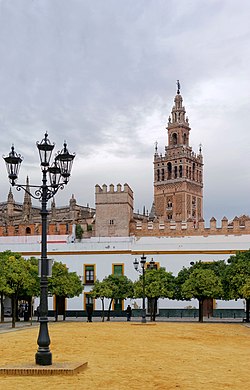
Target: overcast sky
x,y
101,74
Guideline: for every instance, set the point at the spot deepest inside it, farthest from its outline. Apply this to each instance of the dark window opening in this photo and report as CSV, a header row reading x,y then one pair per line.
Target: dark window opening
x,y
89,274
169,167
28,230
175,172
162,174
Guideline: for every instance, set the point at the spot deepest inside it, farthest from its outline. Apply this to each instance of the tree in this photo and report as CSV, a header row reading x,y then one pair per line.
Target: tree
x,y
63,283
113,287
201,284
237,278
18,278
99,291
79,232
158,284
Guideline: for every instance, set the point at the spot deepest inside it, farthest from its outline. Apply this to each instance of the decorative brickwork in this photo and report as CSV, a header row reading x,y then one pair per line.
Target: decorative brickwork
x,y
178,172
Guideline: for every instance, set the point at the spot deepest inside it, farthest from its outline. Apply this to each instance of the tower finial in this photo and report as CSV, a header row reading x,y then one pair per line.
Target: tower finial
x,y
178,87
156,147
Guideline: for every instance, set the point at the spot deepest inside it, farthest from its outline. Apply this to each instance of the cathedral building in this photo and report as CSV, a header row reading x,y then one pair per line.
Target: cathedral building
x,y
173,233
177,207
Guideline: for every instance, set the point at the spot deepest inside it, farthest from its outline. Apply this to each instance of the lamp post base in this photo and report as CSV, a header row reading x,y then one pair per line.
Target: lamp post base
x,y
43,358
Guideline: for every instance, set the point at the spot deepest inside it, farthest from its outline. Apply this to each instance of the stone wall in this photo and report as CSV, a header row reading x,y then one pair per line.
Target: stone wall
x,y
177,229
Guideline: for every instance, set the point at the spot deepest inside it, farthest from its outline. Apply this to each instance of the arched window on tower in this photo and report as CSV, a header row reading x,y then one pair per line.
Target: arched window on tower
x,y
193,171
180,171
169,168
174,136
28,230
175,172
184,138
158,175
162,174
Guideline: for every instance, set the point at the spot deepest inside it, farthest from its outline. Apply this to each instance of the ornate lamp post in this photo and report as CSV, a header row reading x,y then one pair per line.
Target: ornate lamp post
x,y
59,173
142,271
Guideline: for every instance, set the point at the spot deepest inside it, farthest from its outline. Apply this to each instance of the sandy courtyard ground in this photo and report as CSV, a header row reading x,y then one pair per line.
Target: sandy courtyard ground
x,y
136,356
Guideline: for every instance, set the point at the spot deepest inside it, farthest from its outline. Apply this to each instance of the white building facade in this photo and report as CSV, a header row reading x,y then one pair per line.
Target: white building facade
x,y
96,258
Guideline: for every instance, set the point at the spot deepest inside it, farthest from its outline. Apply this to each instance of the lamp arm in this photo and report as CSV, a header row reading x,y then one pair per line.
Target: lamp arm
x,y
50,191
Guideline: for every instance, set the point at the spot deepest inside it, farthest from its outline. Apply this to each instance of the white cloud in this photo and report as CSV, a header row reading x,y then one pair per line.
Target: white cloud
x,y
102,76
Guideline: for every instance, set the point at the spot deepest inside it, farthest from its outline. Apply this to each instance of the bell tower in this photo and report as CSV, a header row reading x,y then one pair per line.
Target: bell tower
x,y
178,174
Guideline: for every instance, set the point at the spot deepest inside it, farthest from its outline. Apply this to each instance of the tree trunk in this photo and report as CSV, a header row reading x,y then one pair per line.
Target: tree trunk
x,y
56,311
247,309
154,308
2,308
201,301
14,311
151,308
108,317
102,299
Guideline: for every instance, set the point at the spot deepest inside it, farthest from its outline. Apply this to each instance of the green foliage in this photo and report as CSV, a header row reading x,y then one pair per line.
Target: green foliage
x,y
202,283
18,277
238,274
89,228
113,287
64,283
158,284
245,289
79,232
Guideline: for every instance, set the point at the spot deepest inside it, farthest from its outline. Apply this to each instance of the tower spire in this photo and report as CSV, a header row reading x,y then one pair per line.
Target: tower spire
x,y
178,174
178,87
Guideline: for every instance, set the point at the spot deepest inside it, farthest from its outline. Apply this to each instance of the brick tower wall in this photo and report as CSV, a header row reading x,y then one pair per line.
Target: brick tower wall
x,y
114,210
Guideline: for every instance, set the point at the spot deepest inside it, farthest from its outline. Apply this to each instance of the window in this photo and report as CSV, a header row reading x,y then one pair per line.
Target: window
x,y
169,167
89,274
28,230
118,269
88,300
156,265
118,304
111,222
174,139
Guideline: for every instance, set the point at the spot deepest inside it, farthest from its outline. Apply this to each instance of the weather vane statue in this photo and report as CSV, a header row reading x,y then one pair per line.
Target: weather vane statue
x,y
178,87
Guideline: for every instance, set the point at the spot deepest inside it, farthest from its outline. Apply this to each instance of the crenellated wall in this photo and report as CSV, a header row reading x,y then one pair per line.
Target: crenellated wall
x,y
114,210
177,229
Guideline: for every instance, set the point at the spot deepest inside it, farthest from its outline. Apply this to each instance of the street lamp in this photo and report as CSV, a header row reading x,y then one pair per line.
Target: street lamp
x,y
142,271
59,173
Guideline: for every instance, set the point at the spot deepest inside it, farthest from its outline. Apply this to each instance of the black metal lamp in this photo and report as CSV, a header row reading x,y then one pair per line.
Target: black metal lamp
x,y
54,175
142,271
45,149
136,264
59,173
13,163
65,160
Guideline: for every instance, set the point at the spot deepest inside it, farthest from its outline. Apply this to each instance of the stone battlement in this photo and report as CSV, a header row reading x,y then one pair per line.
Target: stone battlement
x,y
104,189
189,228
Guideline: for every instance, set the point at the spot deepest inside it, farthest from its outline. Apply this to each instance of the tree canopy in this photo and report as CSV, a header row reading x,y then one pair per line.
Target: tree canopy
x,y
64,283
201,284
